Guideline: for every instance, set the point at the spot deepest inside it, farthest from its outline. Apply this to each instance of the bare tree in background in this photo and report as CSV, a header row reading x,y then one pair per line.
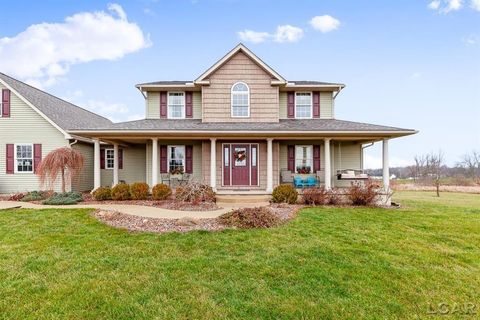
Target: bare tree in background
x,y
434,164
419,170
471,164
428,167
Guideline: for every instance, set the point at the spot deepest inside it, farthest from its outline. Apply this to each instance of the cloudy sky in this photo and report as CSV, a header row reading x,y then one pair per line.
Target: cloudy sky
x,y
412,64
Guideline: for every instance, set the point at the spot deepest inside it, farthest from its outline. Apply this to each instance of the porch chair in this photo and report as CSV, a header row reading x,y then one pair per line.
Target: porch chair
x,y
286,176
298,182
165,177
185,179
310,181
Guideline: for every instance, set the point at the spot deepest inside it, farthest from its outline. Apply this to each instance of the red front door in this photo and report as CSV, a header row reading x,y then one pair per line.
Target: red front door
x,y
240,164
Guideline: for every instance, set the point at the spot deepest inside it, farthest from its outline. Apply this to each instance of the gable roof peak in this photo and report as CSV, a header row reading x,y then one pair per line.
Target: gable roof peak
x,y
240,48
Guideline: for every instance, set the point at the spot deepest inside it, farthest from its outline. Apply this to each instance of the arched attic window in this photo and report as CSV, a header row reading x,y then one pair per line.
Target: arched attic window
x,y
240,100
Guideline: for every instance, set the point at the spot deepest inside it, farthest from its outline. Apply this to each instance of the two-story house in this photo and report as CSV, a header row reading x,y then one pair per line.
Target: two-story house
x,y
236,127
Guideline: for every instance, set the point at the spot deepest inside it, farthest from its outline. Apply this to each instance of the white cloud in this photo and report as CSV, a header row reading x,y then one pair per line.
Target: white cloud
x,y
253,36
114,111
288,33
285,33
434,5
149,12
44,52
475,4
324,23
471,39
445,6
416,75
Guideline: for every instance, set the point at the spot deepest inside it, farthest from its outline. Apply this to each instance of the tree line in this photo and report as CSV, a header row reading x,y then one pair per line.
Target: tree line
x,y
431,168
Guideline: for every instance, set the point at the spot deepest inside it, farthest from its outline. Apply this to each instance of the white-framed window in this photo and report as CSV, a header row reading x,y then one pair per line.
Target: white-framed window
x,y
303,159
176,159
109,158
176,105
240,100
303,105
24,158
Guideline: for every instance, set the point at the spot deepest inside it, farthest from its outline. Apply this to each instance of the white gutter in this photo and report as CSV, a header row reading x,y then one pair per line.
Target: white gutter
x,y
336,94
123,131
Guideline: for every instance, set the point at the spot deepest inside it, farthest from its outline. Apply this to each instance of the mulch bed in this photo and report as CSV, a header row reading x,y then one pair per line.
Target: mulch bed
x,y
171,204
161,225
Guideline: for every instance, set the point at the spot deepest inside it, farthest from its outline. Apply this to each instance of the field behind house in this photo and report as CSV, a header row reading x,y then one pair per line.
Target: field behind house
x,y
332,263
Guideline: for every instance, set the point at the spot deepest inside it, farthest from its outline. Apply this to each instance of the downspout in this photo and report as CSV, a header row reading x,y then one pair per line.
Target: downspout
x,y
72,143
363,148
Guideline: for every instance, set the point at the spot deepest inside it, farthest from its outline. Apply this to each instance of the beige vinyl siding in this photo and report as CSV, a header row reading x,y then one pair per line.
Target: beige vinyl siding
x,y
197,158
197,105
263,96
326,105
347,155
25,125
133,167
84,182
343,155
153,105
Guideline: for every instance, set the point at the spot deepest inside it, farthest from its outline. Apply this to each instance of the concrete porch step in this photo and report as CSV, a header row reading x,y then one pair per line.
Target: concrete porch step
x,y
261,199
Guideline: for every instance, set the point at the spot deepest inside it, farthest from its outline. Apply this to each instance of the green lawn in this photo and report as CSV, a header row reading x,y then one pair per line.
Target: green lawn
x,y
327,263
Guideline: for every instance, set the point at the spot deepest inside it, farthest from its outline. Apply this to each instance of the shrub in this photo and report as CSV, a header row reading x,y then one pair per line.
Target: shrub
x,y
16,196
64,198
102,193
36,196
248,218
161,192
121,192
139,191
362,195
284,193
195,192
316,196
333,197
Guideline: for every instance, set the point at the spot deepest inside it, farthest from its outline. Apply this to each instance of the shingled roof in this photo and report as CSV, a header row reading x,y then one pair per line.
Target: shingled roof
x,y
314,125
63,113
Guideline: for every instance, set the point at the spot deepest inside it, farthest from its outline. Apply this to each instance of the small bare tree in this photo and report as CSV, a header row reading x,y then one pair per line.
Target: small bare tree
x,y
471,164
419,170
66,162
434,164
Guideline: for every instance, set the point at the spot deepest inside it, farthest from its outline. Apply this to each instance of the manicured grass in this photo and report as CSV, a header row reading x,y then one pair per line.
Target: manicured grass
x,y
328,263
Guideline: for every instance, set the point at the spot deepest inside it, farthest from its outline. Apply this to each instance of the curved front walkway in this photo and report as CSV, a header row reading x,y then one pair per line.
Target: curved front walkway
x,y
136,210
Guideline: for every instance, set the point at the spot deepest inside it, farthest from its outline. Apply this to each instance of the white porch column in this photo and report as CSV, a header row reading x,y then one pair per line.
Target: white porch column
x,y
386,170
328,167
96,164
269,165
213,163
115,164
154,162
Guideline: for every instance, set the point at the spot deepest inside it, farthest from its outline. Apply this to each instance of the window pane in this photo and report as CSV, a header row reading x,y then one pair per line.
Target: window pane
x,y
226,156
254,156
176,105
176,159
240,87
303,159
303,105
24,158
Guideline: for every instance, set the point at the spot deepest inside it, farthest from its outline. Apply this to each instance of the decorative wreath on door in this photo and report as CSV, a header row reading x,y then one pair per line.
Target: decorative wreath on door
x,y
239,155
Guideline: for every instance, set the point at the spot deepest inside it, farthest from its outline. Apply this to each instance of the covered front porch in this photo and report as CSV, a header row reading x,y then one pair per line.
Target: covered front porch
x,y
232,164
